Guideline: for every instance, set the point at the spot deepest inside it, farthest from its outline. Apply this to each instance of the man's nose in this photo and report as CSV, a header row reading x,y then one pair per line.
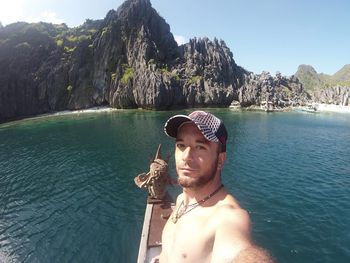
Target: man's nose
x,y
187,154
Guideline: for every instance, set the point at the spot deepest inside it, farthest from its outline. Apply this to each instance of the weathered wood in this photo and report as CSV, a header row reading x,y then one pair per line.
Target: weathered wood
x,y
156,215
160,214
142,256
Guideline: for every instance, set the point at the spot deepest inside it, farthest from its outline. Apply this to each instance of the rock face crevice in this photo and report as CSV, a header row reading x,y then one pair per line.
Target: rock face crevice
x,y
129,59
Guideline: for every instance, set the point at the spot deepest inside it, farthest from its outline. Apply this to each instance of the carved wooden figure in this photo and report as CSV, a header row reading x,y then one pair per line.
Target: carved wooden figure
x,y
156,179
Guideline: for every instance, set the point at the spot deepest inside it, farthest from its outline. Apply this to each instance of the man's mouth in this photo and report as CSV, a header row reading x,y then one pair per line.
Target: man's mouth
x,y
187,170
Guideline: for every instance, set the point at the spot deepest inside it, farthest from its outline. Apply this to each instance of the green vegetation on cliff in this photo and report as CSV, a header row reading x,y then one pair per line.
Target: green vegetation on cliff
x,y
69,88
128,74
166,71
194,80
342,76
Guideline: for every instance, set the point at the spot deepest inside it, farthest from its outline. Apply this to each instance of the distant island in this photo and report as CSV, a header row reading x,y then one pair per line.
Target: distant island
x,y
130,59
328,89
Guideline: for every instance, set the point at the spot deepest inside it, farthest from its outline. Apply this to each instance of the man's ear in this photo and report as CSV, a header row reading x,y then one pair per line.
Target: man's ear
x,y
221,160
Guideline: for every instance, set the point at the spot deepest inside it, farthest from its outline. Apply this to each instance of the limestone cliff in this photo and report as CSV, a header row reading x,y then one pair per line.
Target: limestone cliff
x,y
281,91
127,60
338,95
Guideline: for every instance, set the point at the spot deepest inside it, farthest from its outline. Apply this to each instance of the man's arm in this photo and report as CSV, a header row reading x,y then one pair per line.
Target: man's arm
x,y
232,239
253,254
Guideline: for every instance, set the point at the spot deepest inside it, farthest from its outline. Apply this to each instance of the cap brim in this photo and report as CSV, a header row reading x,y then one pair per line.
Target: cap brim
x,y
173,124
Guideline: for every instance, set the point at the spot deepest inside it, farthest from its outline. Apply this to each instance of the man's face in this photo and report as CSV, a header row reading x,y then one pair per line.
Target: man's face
x,y
198,160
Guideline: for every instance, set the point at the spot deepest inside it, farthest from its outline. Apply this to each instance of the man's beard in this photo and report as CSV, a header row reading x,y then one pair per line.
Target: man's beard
x,y
203,179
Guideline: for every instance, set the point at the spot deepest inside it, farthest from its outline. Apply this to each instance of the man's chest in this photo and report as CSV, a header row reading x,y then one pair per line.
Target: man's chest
x,y
191,239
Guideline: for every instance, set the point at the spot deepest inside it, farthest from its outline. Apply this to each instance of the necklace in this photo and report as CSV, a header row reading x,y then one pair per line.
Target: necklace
x,y
184,209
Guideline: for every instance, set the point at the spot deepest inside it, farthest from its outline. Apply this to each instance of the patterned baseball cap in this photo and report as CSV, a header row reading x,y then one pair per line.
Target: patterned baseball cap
x,y
212,128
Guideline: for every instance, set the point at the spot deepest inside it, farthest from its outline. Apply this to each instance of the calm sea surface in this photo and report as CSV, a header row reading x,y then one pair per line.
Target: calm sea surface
x,y
67,192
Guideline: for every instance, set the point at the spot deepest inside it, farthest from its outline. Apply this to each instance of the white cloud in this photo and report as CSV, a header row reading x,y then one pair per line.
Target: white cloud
x,y
11,11
180,39
46,16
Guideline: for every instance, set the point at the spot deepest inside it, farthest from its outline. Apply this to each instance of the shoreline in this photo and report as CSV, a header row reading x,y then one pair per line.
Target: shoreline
x,y
330,108
321,108
89,110
60,113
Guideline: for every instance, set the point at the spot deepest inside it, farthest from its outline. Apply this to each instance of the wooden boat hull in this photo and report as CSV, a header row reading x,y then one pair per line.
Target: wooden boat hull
x,y
156,214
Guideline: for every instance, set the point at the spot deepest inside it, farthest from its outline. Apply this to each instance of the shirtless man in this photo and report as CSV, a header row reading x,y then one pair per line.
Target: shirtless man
x,y
207,224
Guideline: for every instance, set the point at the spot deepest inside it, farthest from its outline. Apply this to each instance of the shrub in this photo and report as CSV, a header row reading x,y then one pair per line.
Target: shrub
x,y
83,38
128,73
72,38
69,88
194,79
287,91
69,50
59,42
166,71
176,76
114,76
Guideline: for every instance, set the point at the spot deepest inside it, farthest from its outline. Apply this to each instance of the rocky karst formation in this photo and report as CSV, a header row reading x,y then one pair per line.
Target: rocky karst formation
x,y
127,60
45,67
149,70
338,95
281,91
129,46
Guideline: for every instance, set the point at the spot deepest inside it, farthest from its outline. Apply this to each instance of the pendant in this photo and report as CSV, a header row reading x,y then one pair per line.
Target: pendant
x,y
174,219
179,213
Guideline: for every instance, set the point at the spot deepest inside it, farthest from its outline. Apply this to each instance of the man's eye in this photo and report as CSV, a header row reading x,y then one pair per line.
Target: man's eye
x,y
180,145
200,147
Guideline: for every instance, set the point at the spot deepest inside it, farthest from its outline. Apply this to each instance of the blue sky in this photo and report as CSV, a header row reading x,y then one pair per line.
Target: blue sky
x,y
270,35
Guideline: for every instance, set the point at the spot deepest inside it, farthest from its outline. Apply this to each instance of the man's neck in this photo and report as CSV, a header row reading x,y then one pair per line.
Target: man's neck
x,y
193,195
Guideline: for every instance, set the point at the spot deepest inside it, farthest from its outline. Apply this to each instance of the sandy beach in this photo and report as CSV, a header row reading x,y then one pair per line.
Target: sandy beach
x,y
333,108
62,113
74,112
90,110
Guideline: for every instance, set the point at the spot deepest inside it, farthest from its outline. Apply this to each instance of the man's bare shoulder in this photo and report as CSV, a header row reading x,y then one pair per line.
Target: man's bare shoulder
x,y
232,229
233,235
228,213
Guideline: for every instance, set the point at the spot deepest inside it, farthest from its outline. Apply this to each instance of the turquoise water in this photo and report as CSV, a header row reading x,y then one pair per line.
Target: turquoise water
x,y
67,192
